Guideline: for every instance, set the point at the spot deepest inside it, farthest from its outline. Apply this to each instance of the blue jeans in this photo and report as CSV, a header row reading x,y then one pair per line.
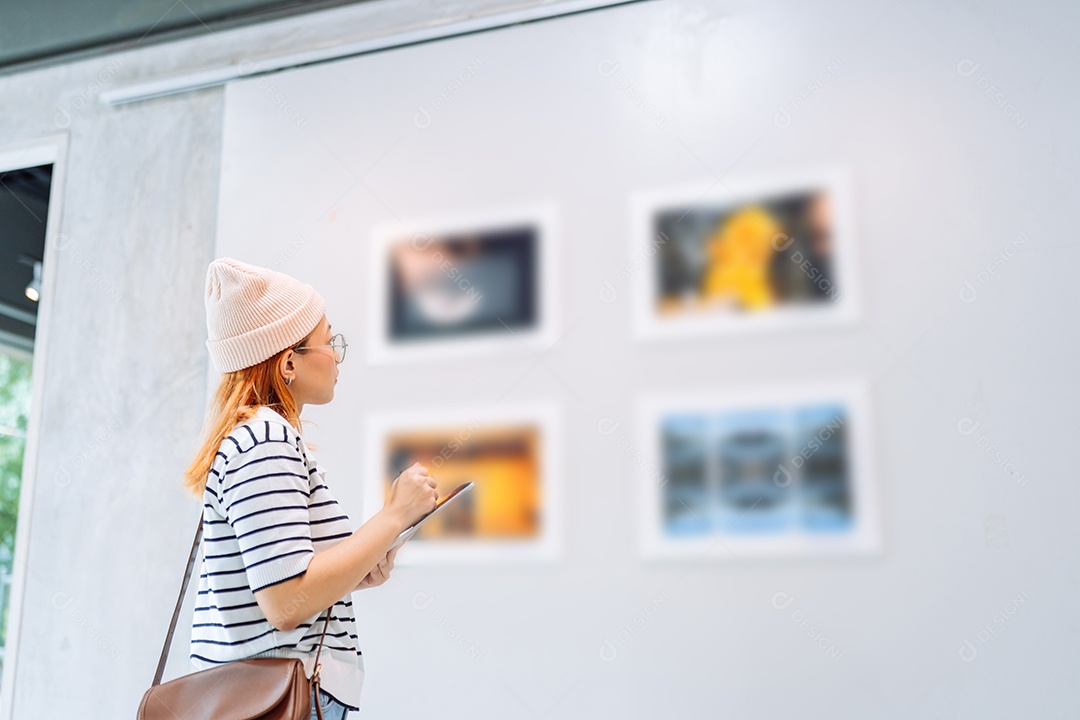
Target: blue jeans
x,y
331,708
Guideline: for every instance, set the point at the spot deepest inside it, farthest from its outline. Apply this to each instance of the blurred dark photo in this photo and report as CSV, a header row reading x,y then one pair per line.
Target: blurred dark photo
x,y
463,285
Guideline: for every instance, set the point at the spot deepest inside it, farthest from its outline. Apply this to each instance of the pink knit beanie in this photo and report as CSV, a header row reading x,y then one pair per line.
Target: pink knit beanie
x,y
253,313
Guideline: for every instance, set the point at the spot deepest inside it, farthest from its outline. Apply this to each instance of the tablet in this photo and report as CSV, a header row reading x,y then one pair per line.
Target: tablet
x,y
442,502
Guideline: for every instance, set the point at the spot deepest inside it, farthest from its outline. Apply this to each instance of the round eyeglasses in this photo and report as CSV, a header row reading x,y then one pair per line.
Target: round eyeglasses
x,y
337,343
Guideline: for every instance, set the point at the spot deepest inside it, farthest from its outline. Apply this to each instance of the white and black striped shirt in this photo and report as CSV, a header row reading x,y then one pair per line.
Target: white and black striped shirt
x,y
266,512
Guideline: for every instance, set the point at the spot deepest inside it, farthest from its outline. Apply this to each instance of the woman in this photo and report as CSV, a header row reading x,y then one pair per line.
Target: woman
x,y
278,550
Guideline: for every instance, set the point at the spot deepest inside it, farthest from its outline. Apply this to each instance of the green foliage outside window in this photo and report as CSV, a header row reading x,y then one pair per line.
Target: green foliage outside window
x,y
14,419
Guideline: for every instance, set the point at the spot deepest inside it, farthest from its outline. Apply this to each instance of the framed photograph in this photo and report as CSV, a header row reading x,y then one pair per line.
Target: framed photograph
x,y
745,254
512,454
777,471
465,285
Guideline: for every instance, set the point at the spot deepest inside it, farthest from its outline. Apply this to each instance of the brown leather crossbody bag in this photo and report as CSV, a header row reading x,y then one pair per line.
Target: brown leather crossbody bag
x,y
253,689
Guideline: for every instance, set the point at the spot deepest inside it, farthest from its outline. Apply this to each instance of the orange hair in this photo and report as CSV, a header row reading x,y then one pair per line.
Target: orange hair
x,y
238,397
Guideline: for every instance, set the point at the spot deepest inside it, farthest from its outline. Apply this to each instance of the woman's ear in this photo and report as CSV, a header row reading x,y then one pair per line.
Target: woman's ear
x,y
285,363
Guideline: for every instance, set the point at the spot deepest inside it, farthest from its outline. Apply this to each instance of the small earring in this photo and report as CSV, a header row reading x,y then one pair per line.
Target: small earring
x,y
288,381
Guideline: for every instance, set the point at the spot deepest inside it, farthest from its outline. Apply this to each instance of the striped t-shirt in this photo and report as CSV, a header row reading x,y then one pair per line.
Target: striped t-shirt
x,y
266,512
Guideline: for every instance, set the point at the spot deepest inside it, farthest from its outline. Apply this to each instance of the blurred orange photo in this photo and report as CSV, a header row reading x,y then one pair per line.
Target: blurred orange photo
x,y
511,455
502,462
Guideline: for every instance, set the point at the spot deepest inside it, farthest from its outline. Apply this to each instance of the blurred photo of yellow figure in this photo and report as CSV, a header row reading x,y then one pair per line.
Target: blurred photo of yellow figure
x,y
738,256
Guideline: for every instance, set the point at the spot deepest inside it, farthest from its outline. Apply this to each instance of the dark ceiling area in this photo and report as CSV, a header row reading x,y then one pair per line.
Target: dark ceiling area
x,y
24,207
40,33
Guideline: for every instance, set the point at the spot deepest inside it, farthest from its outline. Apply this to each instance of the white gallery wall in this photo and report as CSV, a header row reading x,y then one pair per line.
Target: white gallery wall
x,y
956,124
954,128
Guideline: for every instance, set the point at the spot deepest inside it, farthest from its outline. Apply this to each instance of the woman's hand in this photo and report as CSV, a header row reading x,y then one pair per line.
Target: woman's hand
x,y
412,495
381,572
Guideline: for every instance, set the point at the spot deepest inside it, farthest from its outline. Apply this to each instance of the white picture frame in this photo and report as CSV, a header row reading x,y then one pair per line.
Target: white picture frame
x,y
861,539
382,350
547,547
843,287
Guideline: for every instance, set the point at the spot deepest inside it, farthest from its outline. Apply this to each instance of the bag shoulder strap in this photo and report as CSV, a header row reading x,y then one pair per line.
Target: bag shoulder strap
x,y
180,601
